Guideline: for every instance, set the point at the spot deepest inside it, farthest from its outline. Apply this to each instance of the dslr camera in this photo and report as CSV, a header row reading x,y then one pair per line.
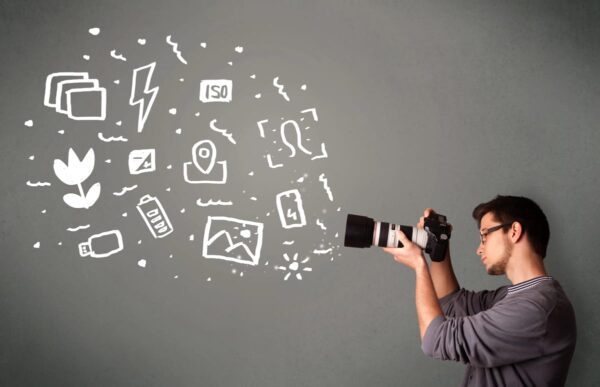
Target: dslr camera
x,y
362,231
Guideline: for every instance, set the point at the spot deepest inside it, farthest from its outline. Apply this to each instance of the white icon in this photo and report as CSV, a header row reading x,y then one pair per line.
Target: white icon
x,y
326,187
141,93
289,207
294,266
142,161
75,172
232,239
175,49
102,245
77,96
154,216
280,89
224,132
200,169
292,137
216,90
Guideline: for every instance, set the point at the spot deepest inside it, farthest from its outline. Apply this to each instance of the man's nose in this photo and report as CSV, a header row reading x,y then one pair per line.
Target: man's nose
x,y
480,249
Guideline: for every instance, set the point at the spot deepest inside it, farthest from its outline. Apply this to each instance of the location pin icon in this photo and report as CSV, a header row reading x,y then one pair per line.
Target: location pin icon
x,y
204,155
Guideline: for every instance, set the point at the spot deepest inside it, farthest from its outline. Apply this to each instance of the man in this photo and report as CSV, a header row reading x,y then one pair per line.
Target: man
x,y
519,335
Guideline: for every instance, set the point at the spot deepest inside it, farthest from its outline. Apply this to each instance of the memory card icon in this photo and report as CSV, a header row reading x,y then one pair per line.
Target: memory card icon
x,y
289,207
154,216
142,161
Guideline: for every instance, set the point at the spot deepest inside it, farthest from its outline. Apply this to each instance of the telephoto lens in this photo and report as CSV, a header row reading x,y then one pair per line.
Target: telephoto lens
x,y
362,231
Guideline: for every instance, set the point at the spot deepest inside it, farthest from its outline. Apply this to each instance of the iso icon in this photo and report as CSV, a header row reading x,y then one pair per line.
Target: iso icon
x,y
216,90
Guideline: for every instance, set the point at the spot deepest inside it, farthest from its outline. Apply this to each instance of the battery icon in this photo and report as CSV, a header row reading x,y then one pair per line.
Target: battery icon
x,y
154,216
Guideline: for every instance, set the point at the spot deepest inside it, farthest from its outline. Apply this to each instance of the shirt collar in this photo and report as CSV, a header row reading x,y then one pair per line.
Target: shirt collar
x,y
528,284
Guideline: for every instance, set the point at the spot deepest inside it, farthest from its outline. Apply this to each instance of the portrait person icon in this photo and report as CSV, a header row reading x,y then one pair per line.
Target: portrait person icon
x,y
518,335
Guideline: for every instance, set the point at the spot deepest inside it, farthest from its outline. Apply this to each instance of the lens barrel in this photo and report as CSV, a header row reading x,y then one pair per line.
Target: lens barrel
x,y
359,231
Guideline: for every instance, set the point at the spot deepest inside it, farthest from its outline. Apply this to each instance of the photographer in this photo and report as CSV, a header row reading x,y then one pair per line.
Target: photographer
x,y
519,335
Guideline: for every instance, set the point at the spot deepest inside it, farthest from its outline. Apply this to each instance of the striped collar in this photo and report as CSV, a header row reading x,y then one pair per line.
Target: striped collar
x,y
527,284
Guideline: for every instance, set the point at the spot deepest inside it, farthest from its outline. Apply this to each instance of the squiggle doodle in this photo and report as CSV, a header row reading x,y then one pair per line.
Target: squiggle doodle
x,y
229,136
114,54
288,243
211,202
280,87
175,50
320,224
125,189
271,165
323,154
39,184
111,139
321,252
323,179
73,229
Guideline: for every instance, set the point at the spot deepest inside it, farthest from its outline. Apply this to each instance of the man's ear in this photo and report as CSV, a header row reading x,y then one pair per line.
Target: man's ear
x,y
515,233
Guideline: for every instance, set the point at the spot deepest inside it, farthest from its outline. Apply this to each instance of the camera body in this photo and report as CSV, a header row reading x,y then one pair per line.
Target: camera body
x,y
362,231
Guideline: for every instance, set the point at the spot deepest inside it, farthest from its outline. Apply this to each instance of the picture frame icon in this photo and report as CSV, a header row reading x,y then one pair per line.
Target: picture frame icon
x,y
232,239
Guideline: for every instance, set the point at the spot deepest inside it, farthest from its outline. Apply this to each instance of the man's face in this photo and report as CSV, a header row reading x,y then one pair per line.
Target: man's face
x,y
496,249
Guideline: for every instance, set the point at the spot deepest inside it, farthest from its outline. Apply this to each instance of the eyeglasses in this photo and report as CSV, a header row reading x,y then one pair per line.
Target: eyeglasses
x,y
483,235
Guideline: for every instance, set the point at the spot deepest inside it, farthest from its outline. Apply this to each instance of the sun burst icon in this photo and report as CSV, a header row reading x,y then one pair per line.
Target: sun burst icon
x,y
293,266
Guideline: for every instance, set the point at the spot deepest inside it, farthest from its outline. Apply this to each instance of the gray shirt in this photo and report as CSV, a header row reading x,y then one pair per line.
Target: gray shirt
x,y
520,335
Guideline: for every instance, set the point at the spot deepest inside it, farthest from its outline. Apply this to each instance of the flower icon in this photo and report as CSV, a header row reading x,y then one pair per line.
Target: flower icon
x,y
75,172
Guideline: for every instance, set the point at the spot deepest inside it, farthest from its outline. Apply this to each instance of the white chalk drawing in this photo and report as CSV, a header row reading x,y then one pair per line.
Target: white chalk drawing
x,y
323,154
229,136
142,263
141,93
288,243
270,162
232,239
124,190
155,217
141,41
77,96
200,169
293,266
82,227
142,161
102,245
280,89
322,252
114,54
216,90
320,224
323,180
211,202
36,245
261,127
176,50
75,172
111,139
313,112
298,137
94,31
291,136
239,49
38,184
289,207
28,123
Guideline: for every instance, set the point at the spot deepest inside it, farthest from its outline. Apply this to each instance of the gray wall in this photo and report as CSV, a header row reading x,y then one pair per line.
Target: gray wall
x,y
420,103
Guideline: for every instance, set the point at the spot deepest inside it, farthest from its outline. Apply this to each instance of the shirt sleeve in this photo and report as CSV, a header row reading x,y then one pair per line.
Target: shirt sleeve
x,y
507,333
466,302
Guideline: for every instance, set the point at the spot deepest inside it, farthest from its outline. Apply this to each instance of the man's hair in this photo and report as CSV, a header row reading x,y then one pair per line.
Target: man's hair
x,y
509,209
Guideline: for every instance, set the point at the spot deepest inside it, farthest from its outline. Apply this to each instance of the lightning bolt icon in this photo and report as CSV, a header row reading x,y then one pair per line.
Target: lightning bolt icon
x,y
141,93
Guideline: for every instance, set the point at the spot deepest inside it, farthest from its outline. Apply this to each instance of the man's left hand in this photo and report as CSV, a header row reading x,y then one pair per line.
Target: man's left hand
x,y
410,254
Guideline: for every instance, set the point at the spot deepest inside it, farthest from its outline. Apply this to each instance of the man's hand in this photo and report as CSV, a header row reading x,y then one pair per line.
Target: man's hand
x,y
410,254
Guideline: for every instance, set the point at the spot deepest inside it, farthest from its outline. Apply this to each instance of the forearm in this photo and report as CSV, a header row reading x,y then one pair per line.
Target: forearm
x,y
428,306
443,276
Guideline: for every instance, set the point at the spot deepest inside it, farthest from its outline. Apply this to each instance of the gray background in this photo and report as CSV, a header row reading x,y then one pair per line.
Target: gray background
x,y
421,103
